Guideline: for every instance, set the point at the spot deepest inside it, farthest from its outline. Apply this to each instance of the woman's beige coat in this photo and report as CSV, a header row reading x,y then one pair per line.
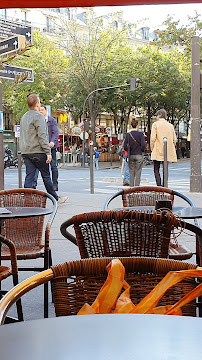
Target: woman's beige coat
x,y
160,129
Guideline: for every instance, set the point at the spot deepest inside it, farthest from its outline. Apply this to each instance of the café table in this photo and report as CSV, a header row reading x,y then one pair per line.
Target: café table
x,y
103,337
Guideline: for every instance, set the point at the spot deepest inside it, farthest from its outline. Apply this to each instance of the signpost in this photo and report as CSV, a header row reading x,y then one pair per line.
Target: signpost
x,y
12,44
10,28
10,72
17,131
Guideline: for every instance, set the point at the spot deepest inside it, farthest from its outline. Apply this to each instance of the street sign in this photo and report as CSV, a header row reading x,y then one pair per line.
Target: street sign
x,y
17,128
12,44
63,118
9,28
10,72
17,131
82,135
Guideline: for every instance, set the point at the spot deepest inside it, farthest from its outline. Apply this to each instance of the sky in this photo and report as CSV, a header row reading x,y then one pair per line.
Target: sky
x,y
156,14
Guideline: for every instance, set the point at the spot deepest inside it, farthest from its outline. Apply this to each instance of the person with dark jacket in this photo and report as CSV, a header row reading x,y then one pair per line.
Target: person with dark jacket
x,y
135,145
53,133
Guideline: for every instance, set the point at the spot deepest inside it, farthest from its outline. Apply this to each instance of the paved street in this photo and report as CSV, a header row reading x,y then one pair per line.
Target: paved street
x,y
106,180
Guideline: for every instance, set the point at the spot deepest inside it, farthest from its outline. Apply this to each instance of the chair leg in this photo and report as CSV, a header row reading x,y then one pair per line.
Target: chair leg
x,y
50,258
18,302
46,266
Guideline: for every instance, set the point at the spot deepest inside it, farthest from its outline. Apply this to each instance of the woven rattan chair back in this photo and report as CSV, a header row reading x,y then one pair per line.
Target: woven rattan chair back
x,y
141,196
122,233
79,282
29,230
30,235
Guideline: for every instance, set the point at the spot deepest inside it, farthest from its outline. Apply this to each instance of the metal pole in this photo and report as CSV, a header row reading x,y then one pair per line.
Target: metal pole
x,y
1,142
110,151
91,169
83,145
63,144
19,170
165,163
195,177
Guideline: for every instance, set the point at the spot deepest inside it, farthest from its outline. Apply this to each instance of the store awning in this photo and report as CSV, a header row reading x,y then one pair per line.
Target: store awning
x,y
84,3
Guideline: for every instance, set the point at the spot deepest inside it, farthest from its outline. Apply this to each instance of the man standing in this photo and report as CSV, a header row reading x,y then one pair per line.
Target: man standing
x,y
160,129
35,147
53,143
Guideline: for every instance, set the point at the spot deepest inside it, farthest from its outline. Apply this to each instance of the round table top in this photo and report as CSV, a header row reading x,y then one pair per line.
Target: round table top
x,y
183,212
18,212
109,337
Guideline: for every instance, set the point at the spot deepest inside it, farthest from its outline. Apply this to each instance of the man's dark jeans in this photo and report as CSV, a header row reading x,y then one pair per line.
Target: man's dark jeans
x,y
54,169
38,161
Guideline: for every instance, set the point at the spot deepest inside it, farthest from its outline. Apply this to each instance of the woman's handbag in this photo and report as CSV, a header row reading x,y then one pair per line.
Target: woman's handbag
x,y
109,299
119,151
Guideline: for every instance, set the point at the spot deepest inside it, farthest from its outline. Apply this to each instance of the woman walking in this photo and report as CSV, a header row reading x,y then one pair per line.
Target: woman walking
x,y
135,145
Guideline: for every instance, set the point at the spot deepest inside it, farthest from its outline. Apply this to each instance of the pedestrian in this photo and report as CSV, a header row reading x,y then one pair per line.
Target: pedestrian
x,y
58,157
160,129
35,148
134,144
126,174
96,155
53,134
74,154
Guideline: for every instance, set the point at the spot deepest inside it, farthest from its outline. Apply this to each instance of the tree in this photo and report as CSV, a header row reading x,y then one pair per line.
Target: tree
x,y
91,61
49,65
178,35
162,83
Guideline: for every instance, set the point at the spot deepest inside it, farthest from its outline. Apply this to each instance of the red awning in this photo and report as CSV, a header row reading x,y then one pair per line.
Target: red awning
x,y
84,3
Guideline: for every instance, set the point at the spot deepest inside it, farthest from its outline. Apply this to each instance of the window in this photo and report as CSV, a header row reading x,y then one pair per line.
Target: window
x,y
23,16
49,23
7,121
3,13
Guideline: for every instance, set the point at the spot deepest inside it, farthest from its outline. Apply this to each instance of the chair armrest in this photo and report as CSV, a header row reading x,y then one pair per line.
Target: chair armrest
x,y
111,198
50,220
65,233
13,258
195,229
182,196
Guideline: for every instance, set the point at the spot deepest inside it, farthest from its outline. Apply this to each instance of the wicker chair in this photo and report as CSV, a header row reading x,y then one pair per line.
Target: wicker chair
x,y
147,196
27,233
77,282
6,271
122,233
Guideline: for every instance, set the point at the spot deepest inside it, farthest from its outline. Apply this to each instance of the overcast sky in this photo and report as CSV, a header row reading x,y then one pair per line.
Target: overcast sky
x,y
156,14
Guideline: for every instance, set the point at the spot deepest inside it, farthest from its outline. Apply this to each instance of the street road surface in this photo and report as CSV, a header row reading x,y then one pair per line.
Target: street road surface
x,y
77,180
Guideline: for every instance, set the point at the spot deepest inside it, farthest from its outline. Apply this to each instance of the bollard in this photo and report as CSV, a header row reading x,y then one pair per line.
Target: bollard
x,y
19,170
91,169
165,163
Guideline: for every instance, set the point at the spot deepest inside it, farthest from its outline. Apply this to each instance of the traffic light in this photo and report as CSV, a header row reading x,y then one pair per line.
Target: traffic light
x,y
86,124
132,84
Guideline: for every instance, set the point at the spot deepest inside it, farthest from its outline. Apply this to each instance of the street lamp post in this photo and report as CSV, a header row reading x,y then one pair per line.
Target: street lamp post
x,y
195,177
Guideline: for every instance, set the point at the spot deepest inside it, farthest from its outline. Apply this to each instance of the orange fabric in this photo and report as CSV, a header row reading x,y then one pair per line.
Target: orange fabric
x,y
109,299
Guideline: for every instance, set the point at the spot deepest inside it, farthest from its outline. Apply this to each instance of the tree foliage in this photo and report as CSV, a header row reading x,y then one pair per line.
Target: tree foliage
x,y
176,34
